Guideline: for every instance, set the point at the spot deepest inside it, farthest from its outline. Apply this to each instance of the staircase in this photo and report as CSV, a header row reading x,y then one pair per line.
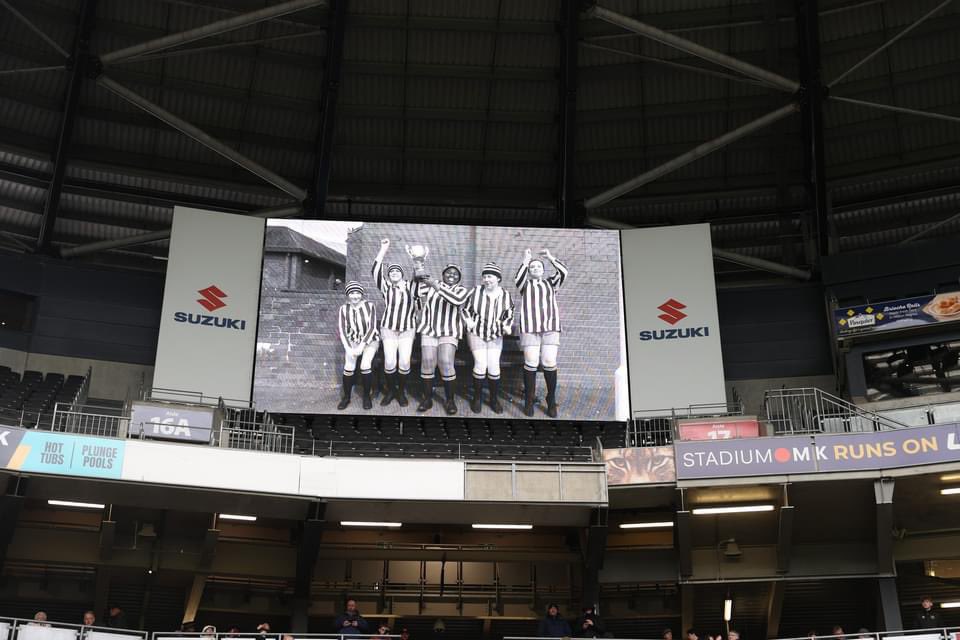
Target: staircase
x,y
811,410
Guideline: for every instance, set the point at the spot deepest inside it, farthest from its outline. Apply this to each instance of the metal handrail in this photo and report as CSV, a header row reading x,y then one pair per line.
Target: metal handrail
x,y
17,628
164,635
812,410
279,440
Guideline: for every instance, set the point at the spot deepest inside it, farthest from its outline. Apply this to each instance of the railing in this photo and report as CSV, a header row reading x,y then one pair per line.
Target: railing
x,y
937,633
171,635
277,440
20,629
452,449
658,427
67,420
811,410
25,420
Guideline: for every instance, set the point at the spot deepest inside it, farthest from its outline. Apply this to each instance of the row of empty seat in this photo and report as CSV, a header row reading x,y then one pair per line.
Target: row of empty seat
x,y
34,393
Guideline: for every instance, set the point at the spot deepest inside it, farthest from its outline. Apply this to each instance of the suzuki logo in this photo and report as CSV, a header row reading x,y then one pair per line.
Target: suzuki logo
x,y
671,311
211,300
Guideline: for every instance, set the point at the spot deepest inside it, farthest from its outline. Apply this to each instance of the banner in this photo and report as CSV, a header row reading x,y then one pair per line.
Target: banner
x,y
906,313
61,454
820,453
724,428
640,465
162,421
208,324
673,333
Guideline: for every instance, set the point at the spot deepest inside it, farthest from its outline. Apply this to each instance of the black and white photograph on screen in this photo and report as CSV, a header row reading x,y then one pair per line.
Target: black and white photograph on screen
x,y
441,320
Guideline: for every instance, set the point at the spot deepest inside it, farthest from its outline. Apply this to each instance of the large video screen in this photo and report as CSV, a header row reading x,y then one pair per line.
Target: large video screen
x,y
441,320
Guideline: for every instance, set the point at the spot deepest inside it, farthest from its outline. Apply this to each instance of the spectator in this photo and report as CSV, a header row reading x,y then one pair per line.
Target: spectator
x,y
864,633
812,633
350,622
837,630
404,634
692,635
209,632
927,617
733,634
589,624
40,619
439,628
233,631
552,625
89,618
263,628
117,618
382,632
667,634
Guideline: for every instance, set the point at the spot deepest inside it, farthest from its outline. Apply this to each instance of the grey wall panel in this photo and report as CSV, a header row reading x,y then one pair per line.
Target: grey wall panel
x,y
774,332
84,311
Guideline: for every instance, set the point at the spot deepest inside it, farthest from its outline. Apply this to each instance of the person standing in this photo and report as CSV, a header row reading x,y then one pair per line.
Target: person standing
x,y
552,625
539,326
927,617
488,315
350,622
358,323
589,625
89,618
440,328
397,324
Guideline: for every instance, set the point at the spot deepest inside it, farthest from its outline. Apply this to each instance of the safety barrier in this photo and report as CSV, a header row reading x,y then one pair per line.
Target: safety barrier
x,y
21,629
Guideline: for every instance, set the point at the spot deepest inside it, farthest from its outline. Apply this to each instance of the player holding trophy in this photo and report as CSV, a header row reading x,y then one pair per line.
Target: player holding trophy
x,y
440,328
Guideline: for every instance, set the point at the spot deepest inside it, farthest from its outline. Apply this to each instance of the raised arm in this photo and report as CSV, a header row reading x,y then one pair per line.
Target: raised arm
x,y
521,278
560,276
378,264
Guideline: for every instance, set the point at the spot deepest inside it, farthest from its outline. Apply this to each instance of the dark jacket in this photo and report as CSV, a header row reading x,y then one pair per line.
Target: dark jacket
x,y
553,627
927,619
594,631
118,621
362,627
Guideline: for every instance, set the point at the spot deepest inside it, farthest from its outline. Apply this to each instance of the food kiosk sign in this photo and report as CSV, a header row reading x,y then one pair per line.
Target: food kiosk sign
x,y
906,313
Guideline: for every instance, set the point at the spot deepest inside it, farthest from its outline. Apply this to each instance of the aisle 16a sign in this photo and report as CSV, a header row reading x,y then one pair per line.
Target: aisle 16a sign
x,y
165,421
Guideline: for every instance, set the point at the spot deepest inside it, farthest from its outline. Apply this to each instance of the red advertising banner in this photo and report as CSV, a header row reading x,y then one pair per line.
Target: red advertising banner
x,y
725,428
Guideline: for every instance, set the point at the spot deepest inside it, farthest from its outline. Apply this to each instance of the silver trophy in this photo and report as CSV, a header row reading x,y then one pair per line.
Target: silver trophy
x,y
418,254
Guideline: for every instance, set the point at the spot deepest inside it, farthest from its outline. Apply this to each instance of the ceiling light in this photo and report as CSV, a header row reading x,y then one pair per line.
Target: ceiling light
x,y
747,508
522,527
75,505
727,610
949,492
950,477
231,516
646,525
362,523
950,605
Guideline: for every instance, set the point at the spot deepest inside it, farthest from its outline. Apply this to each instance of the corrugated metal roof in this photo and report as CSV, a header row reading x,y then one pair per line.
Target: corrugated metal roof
x,y
458,101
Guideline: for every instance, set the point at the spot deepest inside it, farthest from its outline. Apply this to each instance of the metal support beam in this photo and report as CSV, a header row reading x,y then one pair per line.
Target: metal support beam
x,y
194,596
566,165
663,37
594,547
890,107
784,538
79,64
690,156
333,70
930,229
163,234
307,553
202,137
873,54
10,72
889,604
762,265
719,254
775,608
214,28
683,540
883,494
39,32
811,114
11,502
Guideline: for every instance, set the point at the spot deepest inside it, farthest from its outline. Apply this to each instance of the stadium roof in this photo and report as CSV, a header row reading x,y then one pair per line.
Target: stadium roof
x,y
482,111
